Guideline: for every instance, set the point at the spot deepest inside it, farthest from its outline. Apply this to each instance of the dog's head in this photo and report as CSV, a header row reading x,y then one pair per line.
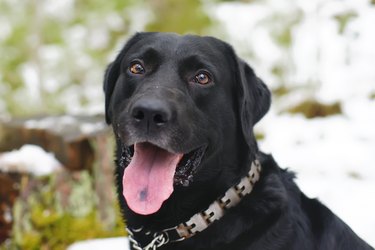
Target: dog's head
x,y
177,105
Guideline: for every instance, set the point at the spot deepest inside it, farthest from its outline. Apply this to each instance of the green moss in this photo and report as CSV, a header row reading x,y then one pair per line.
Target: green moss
x,y
284,37
59,231
31,240
259,136
102,6
282,34
51,34
46,220
354,175
281,91
4,246
42,217
69,229
179,16
312,108
344,18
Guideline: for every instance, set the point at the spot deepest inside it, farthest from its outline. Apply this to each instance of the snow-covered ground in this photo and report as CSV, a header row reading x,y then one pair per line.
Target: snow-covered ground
x,y
334,160
119,243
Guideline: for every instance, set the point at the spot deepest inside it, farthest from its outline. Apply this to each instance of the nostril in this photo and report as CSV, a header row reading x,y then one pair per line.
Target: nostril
x,y
138,115
159,119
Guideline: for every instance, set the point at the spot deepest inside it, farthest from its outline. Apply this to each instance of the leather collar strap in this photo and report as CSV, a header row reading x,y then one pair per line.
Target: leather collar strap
x,y
200,221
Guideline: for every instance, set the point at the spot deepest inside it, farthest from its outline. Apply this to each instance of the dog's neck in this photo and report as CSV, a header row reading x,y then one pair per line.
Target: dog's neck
x,y
143,239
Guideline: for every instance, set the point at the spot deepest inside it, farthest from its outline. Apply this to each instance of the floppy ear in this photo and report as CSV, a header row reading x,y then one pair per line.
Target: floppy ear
x,y
254,100
113,72
110,78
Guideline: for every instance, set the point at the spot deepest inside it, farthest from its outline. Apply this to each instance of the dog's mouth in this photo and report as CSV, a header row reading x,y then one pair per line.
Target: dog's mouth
x,y
152,172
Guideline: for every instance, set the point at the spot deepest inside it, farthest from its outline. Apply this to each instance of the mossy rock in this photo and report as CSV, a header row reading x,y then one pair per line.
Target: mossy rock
x,y
312,109
44,219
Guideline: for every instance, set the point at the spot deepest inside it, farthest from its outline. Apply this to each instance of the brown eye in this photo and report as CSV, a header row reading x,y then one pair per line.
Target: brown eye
x,y
136,68
202,78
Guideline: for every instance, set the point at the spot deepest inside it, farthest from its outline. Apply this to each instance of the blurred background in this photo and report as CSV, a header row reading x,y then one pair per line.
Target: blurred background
x,y
317,57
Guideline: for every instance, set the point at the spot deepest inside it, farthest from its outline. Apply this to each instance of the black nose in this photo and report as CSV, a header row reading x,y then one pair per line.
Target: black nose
x,y
151,112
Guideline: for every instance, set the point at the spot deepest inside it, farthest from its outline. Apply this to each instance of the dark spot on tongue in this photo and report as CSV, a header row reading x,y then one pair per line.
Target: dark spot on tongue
x,y
143,195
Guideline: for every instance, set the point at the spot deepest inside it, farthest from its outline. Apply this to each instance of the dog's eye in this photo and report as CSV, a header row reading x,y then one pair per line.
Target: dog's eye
x,y
202,78
136,68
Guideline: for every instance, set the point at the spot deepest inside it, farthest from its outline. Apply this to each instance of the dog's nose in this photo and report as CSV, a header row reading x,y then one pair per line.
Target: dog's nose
x,y
151,112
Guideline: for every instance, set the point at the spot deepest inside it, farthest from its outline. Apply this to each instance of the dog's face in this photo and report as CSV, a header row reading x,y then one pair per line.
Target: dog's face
x,y
177,105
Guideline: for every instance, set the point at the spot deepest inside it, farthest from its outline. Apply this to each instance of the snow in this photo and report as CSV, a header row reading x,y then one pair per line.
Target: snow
x,y
60,124
120,243
29,159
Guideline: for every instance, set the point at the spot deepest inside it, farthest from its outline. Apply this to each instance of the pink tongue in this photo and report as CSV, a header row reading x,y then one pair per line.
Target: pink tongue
x,y
148,179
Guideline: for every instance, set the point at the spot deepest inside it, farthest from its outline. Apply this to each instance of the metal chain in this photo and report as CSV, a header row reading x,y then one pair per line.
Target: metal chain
x,y
158,241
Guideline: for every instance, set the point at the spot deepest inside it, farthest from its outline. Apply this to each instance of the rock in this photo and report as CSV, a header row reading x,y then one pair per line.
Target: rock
x,y
29,159
68,137
77,142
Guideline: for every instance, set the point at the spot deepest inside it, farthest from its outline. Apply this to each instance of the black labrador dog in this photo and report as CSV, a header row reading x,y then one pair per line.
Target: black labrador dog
x,y
189,172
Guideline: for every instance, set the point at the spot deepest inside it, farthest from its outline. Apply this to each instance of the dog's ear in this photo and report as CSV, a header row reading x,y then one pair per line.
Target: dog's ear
x,y
254,99
113,72
110,79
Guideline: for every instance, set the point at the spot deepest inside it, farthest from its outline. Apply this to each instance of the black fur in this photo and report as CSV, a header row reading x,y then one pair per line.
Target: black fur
x,y
276,215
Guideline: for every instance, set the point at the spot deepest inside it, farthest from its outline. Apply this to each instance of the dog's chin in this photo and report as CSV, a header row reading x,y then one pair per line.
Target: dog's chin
x,y
187,166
